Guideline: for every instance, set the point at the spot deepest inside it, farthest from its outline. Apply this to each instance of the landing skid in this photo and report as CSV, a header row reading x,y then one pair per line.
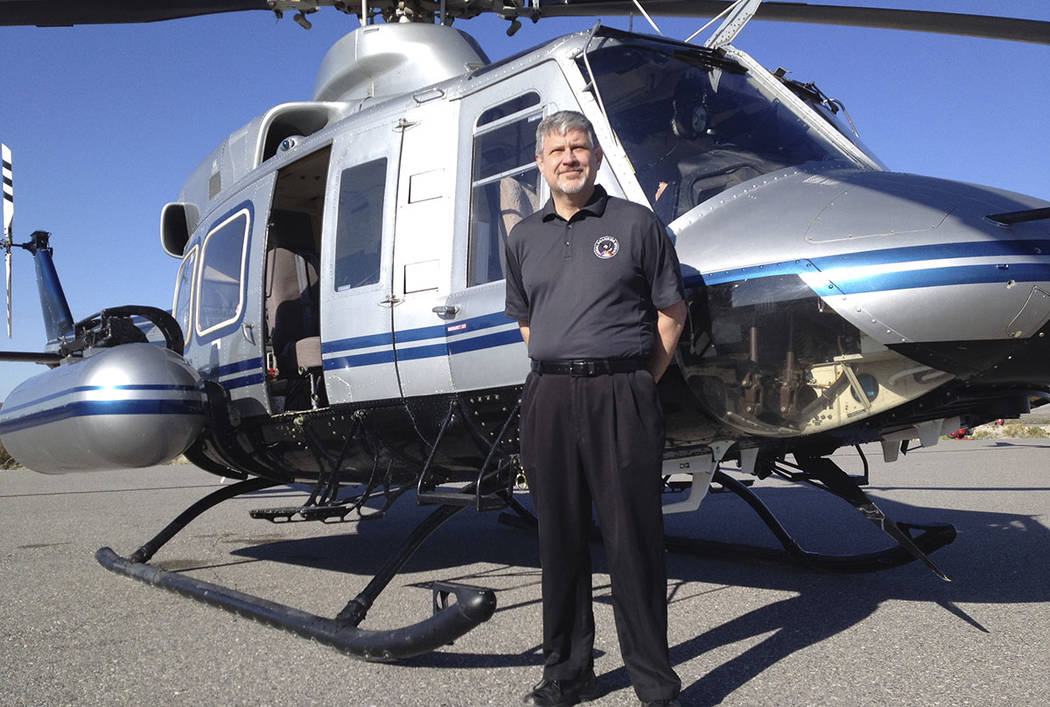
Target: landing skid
x,y
450,620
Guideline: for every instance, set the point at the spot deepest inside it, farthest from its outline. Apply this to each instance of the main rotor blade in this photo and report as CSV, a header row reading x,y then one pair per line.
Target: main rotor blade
x,y
985,26
74,12
60,13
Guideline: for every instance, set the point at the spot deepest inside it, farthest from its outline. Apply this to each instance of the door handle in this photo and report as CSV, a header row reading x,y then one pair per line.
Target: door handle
x,y
390,300
446,311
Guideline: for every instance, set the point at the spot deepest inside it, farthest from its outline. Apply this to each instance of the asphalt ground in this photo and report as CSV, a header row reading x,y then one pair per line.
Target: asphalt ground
x,y
741,633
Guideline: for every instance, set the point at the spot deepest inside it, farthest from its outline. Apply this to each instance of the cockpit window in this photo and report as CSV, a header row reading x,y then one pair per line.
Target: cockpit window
x,y
693,129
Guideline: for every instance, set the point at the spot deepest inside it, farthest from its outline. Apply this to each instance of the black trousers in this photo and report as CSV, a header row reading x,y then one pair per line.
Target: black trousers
x,y
599,439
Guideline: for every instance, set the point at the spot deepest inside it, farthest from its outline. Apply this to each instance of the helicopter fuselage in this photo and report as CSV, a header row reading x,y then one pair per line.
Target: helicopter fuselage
x,y
341,293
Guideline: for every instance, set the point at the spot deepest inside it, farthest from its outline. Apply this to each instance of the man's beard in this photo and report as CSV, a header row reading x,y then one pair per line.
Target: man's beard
x,y
575,186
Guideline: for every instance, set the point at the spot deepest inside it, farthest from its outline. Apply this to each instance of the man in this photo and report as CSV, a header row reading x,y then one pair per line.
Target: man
x,y
594,284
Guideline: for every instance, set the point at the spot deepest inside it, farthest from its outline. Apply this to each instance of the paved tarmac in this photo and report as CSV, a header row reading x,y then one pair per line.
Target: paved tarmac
x,y
741,633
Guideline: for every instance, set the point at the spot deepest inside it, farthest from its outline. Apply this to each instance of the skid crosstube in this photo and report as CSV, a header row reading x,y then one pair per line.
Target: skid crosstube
x,y
930,538
472,605
913,547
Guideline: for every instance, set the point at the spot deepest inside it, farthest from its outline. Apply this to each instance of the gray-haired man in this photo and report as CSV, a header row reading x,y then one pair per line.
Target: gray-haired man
x,y
594,284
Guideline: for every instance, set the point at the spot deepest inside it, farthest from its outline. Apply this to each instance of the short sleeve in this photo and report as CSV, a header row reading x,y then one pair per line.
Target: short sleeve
x,y
517,304
662,267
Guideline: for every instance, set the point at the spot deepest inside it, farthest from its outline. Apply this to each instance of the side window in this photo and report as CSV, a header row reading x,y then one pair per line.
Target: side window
x,y
182,302
359,235
504,182
220,296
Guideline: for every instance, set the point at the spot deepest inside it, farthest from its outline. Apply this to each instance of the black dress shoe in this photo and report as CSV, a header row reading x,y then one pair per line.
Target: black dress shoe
x,y
563,693
662,703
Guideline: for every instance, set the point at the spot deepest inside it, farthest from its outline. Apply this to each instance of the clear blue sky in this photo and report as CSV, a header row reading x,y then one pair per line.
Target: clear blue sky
x,y
106,122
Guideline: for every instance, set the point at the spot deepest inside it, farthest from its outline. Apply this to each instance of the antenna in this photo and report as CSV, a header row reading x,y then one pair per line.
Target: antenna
x,y
9,215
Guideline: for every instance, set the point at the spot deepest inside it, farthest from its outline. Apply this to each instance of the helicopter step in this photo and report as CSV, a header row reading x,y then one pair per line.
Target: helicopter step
x,y
341,511
464,497
329,513
449,621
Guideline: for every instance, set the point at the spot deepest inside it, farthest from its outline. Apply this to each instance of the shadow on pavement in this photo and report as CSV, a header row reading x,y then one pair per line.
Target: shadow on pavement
x,y
990,562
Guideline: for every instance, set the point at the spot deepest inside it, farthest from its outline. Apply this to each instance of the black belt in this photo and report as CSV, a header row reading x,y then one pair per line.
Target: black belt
x,y
589,366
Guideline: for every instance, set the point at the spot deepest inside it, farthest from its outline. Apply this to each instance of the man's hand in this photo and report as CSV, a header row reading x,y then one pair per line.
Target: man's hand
x,y
669,324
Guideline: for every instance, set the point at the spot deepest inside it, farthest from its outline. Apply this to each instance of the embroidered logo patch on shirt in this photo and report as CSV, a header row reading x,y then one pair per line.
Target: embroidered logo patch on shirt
x,y
606,247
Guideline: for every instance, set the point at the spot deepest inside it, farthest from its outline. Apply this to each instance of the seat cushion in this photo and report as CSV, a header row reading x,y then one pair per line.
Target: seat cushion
x,y
308,353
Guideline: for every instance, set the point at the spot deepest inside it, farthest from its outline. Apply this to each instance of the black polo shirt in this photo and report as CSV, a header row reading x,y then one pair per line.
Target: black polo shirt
x,y
590,287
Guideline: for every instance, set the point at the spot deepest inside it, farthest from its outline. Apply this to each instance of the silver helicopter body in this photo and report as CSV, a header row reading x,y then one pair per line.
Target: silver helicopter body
x,y
346,251
901,258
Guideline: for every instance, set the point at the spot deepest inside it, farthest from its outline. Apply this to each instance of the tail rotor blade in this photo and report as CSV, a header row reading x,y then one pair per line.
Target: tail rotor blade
x,y
9,191
7,272
8,216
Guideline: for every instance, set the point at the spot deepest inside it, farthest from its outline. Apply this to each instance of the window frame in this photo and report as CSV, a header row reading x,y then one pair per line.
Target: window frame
x,y
536,111
193,254
335,286
246,212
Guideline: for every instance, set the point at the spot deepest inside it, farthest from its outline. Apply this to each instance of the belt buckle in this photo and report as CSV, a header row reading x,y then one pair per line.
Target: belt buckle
x,y
582,368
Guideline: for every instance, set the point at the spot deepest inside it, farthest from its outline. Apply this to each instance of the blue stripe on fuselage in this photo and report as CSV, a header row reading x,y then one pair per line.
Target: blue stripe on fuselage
x,y
357,342
960,274
229,368
935,277
348,352
450,336
500,338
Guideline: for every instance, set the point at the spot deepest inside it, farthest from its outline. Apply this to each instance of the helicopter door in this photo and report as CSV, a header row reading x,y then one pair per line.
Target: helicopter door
x,y
422,248
227,343
497,126
357,344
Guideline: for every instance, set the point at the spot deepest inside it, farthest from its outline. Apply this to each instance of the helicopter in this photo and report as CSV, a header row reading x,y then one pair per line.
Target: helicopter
x,y
337,314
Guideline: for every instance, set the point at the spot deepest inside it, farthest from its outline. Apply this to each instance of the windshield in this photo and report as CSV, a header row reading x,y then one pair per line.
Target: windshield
x,y
693,127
